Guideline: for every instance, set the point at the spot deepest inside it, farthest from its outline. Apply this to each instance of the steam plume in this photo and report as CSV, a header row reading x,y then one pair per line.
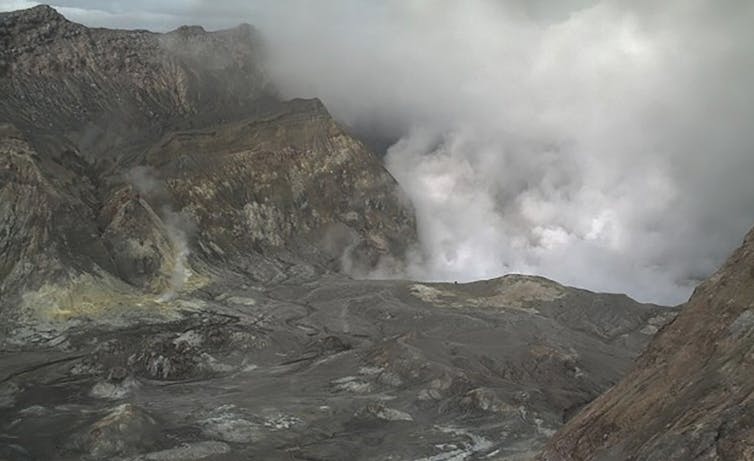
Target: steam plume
x,y
176,226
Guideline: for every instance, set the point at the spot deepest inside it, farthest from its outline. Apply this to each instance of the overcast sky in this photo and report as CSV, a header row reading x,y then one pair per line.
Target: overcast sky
x,y
605,144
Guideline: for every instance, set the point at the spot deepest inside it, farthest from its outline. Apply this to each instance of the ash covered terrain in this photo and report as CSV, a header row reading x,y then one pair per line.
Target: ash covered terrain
x,y
184,275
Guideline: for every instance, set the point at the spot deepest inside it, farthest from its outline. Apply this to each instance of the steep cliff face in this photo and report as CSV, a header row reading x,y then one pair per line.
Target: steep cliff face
x,y
66,252
47,226
291,178
127,157
690,395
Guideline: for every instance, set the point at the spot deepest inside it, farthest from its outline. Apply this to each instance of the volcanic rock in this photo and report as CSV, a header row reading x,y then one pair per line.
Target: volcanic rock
x,y
689,395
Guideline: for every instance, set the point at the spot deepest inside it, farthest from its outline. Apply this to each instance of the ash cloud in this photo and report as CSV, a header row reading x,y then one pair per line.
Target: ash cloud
x,y
605,144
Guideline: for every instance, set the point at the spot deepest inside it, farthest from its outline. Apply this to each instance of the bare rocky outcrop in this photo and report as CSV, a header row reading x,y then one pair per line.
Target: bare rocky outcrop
x,y
689,395
47,227
105,89
294,178
122,430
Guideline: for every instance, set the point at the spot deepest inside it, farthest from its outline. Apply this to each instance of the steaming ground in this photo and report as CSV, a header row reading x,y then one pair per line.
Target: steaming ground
x,y
178,227
604,144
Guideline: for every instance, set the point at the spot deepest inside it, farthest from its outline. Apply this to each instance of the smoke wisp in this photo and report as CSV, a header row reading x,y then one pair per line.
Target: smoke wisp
x,y
176,226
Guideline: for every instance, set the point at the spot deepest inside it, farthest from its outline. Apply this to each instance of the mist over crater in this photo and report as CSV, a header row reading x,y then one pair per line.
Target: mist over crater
x,y
602,144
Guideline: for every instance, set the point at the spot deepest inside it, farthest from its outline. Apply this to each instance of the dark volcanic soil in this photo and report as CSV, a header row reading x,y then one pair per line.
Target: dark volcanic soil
x,y
324,368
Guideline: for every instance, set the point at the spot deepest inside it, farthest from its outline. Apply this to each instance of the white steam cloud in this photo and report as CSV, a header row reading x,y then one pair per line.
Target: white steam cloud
x,y
605,144
607,147
177,226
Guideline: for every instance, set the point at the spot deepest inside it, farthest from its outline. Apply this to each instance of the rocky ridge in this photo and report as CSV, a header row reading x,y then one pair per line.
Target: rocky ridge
x,y
105,90
689,395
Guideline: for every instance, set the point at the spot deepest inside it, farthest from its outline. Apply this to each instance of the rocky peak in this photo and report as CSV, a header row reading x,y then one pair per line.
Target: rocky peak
x,y
189,30
24,30
115,85
41,16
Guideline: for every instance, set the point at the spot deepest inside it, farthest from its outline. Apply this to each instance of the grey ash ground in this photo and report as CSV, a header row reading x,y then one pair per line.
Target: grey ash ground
x,y
324,367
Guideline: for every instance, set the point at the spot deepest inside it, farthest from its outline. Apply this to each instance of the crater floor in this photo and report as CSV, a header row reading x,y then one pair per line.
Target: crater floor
x,y
322,367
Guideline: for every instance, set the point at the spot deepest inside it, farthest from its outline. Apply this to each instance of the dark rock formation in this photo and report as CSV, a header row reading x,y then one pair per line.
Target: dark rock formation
x,y
293,178
47,220
103,89
689,395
